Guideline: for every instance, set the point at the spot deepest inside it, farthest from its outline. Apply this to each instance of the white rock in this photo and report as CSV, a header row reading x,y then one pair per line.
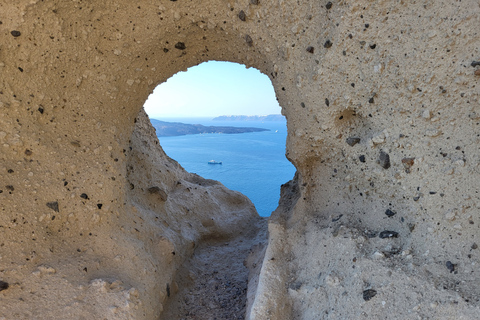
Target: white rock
x,y
426,114
450,215
380,138
332,281
46,269
432,132
378,255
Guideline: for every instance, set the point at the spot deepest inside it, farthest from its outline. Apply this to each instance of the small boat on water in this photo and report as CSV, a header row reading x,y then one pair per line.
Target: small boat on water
x,y
214,162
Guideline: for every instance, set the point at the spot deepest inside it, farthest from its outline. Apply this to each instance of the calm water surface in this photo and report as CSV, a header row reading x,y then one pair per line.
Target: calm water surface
x,y
252,163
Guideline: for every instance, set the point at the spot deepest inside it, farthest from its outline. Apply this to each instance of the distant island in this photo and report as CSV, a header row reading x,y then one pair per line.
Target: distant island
x,y
270,117
170,129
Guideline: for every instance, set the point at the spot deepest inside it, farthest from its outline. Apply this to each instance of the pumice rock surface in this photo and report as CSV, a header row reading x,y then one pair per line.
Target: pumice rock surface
x,y
383,114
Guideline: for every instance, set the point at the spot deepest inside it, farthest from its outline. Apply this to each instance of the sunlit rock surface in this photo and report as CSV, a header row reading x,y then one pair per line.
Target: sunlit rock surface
x,y
382,104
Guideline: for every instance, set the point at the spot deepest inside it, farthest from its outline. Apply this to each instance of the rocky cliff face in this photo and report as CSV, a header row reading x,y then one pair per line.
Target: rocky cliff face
x,y
383,112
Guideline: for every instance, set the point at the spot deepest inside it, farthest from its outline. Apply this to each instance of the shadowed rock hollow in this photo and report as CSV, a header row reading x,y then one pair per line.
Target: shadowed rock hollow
x,y
383,113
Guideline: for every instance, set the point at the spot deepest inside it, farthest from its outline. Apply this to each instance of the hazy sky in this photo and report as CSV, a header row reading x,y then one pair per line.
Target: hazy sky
x,y
213,89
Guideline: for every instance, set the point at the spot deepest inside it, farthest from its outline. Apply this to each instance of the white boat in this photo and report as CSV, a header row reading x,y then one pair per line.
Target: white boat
x,y
214,162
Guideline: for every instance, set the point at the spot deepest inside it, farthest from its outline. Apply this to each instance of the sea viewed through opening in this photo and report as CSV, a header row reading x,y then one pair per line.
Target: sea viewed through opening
x,y
252,163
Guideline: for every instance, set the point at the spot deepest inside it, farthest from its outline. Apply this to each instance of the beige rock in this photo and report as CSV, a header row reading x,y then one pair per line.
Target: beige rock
x,y
67,66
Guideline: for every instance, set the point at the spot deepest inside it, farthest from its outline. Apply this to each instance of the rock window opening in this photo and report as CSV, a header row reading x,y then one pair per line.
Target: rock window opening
x,y
196,113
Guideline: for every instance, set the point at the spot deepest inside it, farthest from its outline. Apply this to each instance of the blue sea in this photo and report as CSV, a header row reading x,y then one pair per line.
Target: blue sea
x,y
252,163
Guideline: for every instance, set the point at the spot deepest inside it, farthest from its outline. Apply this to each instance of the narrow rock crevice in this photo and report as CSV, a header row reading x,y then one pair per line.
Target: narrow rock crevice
x,y
213,283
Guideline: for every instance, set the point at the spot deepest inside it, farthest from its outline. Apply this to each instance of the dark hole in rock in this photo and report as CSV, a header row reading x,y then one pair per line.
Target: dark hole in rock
x,y
4,285
369,294
388,234
180,46
53,205
390,213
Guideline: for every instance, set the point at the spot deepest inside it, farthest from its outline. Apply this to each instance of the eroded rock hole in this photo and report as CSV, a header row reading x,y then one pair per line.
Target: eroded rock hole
x,y
226,113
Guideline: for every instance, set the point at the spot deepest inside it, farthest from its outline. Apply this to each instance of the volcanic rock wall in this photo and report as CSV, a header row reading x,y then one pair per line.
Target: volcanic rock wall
x,y
382,103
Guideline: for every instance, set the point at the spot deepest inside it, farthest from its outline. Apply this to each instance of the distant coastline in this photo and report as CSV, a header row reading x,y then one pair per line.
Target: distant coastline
x,y
170,129
270,117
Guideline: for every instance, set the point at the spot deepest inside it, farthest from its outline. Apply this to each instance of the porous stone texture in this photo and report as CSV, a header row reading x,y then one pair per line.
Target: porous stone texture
x,y
96,220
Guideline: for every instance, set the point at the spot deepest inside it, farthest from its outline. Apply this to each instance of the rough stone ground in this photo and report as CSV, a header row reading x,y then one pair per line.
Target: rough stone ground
x,y
213,283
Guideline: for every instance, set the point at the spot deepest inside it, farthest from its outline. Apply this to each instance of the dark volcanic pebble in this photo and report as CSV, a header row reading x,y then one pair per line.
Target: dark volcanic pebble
x,y
352,141
474,246
475,63
384,160
310,49
180,46
329,5
15,33
53,205
390,213
40,109
249,40
328,44
361,158
369,294
327,102
242,16
388,234
450,266
4,285
84,196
